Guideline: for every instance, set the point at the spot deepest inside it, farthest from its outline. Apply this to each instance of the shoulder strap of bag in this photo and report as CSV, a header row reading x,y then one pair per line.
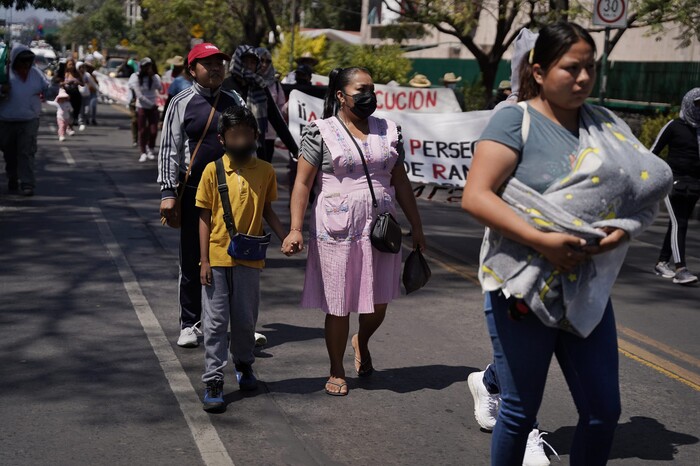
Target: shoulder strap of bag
x,y
201,139
364,164
525,127
225,201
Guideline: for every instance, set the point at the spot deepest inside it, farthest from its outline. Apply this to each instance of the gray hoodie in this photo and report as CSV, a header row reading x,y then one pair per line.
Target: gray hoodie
x,y
24,102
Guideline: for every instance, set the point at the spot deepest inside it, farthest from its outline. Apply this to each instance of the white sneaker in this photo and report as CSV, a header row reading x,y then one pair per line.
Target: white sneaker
x,y
70,132
150,155
485,404
260,339
663,269
534,450
61,138
81,128
189,337
143,157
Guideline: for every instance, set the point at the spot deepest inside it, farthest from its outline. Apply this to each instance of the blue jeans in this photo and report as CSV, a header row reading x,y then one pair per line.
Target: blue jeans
x,y
523,351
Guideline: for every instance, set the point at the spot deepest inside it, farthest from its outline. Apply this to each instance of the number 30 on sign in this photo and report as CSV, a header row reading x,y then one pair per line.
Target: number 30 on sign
x,y
610,13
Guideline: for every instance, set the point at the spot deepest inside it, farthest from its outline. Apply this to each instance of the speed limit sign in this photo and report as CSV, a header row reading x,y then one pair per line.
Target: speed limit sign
x,y
610,13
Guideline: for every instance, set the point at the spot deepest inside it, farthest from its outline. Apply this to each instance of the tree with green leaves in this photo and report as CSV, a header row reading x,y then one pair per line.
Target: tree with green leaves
x,y
344,15
103,21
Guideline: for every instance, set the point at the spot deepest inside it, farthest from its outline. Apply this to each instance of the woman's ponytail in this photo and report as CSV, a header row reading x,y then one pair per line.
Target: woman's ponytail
x,y
330,104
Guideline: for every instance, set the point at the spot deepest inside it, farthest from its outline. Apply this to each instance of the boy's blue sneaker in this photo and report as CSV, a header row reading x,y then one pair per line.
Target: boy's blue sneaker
x,y
214,397
246,378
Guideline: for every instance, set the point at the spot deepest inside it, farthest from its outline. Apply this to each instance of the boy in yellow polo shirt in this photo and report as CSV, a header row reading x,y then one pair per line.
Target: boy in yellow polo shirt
x,y
231,287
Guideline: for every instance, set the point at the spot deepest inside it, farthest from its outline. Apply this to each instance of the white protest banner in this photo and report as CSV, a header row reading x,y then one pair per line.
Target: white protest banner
x,y
438,147
117,89
409,99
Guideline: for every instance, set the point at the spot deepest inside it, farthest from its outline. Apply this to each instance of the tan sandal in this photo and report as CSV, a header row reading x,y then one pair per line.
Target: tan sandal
x,y
363,369
340,386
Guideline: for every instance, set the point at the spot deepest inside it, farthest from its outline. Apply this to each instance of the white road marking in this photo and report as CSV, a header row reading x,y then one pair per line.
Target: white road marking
x,y
69,158
206,438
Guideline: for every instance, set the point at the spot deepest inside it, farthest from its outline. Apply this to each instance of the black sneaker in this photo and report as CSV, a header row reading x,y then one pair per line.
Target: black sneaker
x,y
27,191
13,185
214,397
246,378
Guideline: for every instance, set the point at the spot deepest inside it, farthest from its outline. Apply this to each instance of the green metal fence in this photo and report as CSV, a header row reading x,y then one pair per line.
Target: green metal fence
x,y
660,82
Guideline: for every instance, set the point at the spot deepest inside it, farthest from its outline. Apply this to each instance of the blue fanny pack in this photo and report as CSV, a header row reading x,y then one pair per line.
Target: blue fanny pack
x,y
248,247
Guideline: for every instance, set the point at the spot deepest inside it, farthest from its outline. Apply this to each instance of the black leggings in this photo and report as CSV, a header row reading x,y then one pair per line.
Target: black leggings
x,y
680,210
76,101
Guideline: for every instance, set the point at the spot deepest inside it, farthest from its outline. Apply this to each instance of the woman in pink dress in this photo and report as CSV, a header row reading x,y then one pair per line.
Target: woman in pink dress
x,y
344,273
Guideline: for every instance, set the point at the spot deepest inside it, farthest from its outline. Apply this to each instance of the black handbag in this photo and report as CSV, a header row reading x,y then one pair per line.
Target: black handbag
x,y
386,231
242,246
416,272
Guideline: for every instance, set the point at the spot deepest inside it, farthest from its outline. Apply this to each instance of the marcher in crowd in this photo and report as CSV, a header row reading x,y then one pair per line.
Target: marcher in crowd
x,y
682,137
276,95
94,86
181,79
63,114
252,87
71,80
502,93
185,149
19,120
543,204
344,273
451,81
483,385
146,85
231,286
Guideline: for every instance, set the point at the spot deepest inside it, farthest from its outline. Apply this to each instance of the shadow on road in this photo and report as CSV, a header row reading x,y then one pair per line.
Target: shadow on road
x,y
642,437
398,380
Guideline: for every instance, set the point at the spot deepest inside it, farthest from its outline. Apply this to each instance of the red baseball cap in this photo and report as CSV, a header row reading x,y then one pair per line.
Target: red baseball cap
x,y
205,50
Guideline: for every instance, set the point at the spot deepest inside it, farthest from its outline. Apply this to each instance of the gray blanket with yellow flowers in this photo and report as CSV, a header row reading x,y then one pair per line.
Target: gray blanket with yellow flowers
x,y
614,182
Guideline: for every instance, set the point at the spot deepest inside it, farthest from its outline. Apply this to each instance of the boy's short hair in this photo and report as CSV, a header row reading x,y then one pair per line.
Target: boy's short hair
x,y
237,116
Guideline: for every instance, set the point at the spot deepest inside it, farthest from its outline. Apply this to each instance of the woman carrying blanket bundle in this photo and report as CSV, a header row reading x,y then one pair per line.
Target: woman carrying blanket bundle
x,y
561,187
344,272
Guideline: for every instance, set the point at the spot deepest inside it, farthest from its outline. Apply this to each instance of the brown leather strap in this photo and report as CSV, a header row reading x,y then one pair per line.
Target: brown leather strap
x,y
201,139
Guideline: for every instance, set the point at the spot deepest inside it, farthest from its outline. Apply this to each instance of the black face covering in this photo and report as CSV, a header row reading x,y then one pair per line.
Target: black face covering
x,y
365,104
241,154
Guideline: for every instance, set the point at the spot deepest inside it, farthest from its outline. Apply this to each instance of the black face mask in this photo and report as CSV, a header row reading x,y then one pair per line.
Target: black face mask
x,y
242,154
365,104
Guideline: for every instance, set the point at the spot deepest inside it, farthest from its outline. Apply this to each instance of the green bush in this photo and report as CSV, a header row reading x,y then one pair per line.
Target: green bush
x,y
384,62
652,126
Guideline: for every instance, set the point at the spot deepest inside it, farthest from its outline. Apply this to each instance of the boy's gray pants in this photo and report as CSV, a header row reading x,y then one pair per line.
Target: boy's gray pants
x,y
233,297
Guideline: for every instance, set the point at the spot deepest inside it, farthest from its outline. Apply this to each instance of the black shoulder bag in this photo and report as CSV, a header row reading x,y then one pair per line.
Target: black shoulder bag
x,y
242,246
386,231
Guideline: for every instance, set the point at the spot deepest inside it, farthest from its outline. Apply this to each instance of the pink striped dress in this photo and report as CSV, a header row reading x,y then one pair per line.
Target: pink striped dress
x,y
344,273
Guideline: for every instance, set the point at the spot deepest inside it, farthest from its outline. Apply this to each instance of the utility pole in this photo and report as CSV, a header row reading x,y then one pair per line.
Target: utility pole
x,y
294,25
604,68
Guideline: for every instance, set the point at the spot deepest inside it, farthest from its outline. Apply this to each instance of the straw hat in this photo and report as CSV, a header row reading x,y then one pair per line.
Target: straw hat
x,y
503,85
307,57
177,60
420,80
451,78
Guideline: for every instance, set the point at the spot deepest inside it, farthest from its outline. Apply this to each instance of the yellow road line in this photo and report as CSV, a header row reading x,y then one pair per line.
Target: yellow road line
x,y
626,348
660,365
122,109
663,347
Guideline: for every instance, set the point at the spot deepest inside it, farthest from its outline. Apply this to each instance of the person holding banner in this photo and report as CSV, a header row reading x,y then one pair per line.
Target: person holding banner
x,y
339,155
561,186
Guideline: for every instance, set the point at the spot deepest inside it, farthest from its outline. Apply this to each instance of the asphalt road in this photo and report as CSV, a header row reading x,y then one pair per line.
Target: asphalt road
x,y
91,374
